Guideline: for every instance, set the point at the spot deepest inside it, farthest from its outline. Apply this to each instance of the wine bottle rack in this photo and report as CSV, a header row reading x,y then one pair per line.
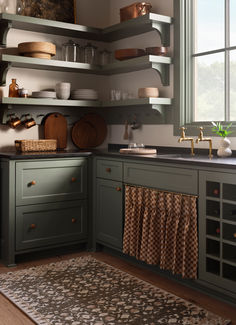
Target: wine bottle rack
x,y
217,230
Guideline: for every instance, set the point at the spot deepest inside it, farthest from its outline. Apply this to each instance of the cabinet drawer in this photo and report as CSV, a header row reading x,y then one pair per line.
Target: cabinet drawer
x,y
163,178
50,181
109,169
47,224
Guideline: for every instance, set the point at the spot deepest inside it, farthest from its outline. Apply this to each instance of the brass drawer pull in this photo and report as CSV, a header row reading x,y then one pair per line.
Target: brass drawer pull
x,y
33,183
73,220
108,170
118,189
33,226
73,179
234,235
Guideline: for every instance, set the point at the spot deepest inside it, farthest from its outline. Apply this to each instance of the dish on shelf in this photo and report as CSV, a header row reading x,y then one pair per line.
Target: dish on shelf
x,y
125,54
89,132
44,94
41,50
84,94
157,50
148,92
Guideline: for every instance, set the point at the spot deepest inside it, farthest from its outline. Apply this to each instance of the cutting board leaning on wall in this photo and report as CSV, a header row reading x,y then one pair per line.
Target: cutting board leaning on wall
x,y
55,127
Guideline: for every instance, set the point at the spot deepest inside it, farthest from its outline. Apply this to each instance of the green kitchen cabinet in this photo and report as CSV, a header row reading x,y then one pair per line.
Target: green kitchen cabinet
x,y
109,213
217,229
44,204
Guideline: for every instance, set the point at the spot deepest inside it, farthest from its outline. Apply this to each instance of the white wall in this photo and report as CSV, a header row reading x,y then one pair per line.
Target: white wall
x,y
99,13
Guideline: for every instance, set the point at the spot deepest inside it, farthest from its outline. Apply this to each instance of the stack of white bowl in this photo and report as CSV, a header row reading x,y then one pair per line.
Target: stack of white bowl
x,y
84,94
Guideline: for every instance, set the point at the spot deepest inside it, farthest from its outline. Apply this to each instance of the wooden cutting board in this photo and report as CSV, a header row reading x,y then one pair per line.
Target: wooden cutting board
x,y
55,127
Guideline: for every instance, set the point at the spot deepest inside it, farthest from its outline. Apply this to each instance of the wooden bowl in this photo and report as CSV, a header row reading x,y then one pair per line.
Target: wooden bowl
x,y
148,92
125,54
157,50
41,50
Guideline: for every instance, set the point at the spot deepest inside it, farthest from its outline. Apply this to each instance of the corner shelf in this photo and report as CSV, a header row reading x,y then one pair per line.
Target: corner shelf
x,y
158,63
49,102
130,107
140,25
119,31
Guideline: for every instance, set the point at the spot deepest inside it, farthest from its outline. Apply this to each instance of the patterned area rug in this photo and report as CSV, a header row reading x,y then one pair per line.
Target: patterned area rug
x,y
84,291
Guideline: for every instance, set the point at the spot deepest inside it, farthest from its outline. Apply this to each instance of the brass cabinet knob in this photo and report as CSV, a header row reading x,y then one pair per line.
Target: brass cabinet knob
x,y
234,235
118,189
73,179
73,220
108,170
33,226
33,183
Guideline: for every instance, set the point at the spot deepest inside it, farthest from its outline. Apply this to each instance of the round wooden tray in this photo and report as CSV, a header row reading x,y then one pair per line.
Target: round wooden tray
x,y
89,132
42,50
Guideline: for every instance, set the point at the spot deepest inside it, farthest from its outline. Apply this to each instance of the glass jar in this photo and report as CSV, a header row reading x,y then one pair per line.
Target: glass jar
x,y
90,54
19,7
9,6
104,57
13,89
70,51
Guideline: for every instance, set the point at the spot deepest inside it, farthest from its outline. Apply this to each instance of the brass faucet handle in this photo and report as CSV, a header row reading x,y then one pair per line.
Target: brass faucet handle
x,y
201,133
183,129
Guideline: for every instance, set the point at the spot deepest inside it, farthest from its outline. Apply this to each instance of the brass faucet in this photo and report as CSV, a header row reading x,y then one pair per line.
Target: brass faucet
x,y
201,138
183,138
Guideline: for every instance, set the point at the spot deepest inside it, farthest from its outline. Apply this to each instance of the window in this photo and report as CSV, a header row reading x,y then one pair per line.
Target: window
x,y
206,49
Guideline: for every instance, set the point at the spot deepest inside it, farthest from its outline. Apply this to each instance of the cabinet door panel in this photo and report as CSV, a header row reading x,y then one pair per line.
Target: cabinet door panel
x,y
46,224
109,213
50,181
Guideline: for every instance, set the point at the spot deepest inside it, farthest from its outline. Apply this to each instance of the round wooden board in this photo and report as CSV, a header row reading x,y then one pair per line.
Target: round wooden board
x,y
84,135
89,132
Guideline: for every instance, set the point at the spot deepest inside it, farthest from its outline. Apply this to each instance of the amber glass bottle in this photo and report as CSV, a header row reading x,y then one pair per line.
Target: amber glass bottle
x,y
13,89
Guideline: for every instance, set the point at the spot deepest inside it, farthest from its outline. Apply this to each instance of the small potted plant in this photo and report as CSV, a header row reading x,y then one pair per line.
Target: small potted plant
x,y
224,149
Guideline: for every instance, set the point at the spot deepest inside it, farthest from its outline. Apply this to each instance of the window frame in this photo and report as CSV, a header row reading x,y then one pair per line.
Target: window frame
x,y
183,72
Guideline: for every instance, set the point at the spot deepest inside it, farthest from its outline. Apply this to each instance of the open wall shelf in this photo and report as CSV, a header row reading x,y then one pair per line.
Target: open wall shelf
x,y
128,109
148,109
158,63
119,31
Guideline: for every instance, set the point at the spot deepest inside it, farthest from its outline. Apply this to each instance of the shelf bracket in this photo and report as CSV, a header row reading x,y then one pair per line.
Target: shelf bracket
x,y
158,108
4,67
163,71
164,31
5,26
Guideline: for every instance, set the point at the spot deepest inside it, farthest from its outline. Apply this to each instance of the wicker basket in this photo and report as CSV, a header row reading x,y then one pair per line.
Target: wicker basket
x,y
36,145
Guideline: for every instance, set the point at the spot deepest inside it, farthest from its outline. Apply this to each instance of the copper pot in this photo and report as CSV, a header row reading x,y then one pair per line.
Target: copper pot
x,y
29,123
134,10
14,122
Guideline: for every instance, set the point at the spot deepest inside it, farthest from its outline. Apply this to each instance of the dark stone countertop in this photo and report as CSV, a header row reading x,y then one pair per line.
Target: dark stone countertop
x,y
13,155
174,155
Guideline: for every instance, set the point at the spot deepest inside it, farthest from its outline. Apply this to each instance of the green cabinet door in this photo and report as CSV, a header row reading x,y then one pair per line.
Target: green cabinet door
x,y
109,213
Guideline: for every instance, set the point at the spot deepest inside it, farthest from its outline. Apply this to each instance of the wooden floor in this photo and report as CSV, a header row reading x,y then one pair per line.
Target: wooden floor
x,y
11,315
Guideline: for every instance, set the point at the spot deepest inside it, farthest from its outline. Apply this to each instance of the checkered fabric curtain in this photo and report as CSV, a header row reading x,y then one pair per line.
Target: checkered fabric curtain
x,y
161,229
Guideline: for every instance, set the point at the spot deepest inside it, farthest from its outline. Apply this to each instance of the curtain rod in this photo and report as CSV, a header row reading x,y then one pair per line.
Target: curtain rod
x,y
156,190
